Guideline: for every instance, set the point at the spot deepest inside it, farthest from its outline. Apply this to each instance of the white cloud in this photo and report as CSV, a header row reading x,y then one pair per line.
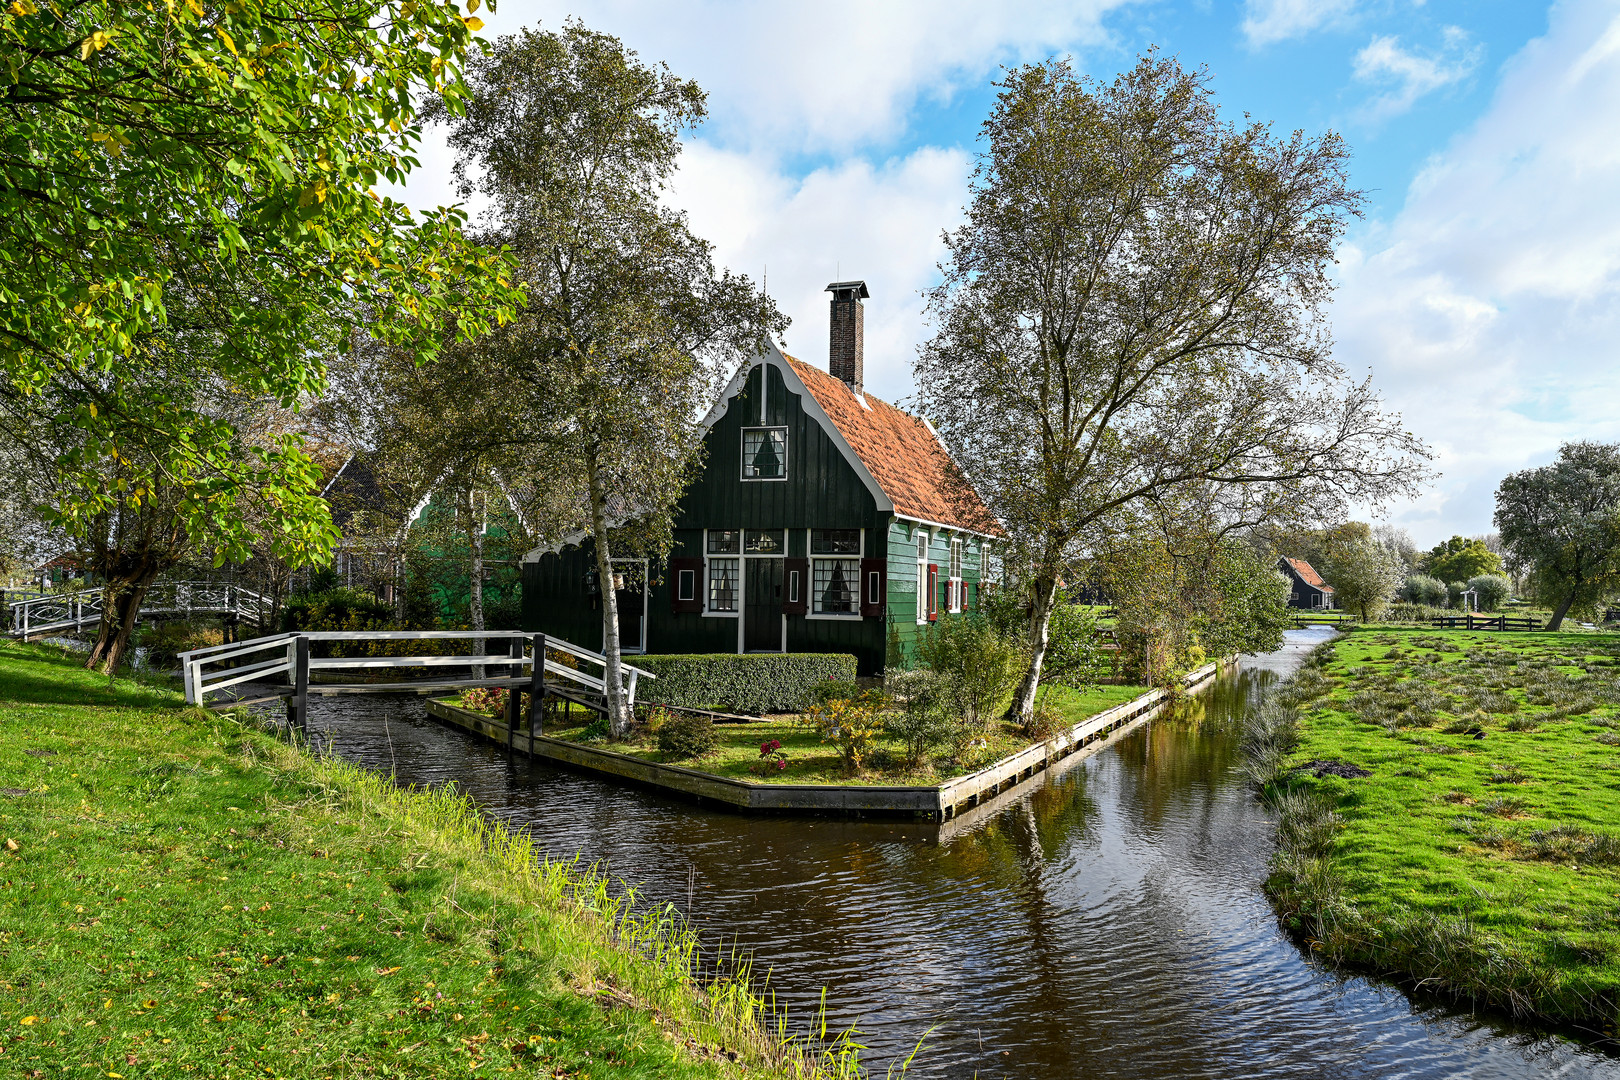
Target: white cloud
x,y
880,224
1407,75
1489,307
813,78
1266,22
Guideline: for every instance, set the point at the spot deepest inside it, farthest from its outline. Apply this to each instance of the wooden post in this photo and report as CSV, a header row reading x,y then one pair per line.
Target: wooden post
x,y
537,685
299,706
514,694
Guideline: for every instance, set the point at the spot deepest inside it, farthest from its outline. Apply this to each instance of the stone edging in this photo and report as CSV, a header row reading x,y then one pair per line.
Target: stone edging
x,y
938,803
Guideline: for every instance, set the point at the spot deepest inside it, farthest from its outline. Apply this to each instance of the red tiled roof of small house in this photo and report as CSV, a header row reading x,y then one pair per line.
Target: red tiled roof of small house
x,y
902,453
1308,574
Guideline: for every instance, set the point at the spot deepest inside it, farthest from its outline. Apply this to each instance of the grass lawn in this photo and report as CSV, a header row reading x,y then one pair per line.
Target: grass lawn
x,y
183,894
1483,851
811,761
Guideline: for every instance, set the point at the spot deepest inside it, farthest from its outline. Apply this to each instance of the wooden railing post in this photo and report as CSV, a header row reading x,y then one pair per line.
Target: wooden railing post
x,y
537,684
514,693
298,704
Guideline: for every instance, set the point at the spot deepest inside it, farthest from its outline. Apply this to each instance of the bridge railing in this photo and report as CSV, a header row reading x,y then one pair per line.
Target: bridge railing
x,y
70,610
289,656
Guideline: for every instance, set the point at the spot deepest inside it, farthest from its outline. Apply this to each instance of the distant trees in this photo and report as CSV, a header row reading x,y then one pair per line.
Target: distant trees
x,y
1132,310
1560,525
1458,559
1423,589
1490,590
1364,574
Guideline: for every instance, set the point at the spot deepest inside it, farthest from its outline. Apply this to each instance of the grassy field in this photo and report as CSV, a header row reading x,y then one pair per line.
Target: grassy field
x,y
1482,853
183,894
811,761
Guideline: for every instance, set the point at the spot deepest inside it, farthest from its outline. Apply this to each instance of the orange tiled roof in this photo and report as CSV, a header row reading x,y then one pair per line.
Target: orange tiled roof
x,y
1308,573
901,453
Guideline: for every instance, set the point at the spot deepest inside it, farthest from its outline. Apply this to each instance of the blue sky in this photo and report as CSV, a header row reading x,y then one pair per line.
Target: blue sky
x,y
1482,289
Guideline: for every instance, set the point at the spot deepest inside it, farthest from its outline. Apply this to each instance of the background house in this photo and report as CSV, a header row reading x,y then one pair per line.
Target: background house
x,y
825,520
1308,588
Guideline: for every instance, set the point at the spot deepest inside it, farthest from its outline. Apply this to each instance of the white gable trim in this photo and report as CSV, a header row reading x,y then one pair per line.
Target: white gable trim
x,y
812,408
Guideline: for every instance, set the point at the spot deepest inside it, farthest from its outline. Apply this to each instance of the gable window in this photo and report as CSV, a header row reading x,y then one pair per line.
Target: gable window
x,y
764,453
723,580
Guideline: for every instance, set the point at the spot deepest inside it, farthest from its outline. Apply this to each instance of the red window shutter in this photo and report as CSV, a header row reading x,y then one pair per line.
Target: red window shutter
x,y
874,586
795,591
933,592
685,580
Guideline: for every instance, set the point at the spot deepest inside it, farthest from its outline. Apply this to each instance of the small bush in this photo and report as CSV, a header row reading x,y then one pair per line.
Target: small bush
x,y
850,723
684,736
922,721
165,641
979,665
779,682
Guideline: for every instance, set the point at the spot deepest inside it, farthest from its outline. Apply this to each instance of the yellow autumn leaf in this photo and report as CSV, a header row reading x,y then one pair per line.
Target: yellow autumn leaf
x,y
26,7
94,43
196,8
472,6
226,39
28,1021
474,23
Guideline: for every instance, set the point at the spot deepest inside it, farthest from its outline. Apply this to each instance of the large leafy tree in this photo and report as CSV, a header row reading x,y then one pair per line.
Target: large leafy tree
x,y
1134,305
189,189
1365,575
629,326
1459,560
1560,526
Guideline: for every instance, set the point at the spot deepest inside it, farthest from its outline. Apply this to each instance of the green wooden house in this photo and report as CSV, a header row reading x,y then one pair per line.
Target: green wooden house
x,y
825,520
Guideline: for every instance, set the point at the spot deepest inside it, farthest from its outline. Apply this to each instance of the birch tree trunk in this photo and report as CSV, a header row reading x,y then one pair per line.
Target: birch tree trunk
x,y
1022,710
618,707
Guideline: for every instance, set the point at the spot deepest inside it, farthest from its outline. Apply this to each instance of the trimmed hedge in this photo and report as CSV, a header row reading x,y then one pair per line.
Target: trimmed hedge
x,y
772,682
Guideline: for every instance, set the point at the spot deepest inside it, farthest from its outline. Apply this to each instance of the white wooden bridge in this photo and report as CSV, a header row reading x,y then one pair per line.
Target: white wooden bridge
x,y
68,612
285,661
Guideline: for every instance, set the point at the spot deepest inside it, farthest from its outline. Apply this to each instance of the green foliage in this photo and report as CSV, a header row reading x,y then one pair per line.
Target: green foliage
x,y
851,722
164,641
1458,560
1074,656
1423,589
336,609
1365,576
978,666
681,735
189,207
1491,589
923,718
784,682
1561,523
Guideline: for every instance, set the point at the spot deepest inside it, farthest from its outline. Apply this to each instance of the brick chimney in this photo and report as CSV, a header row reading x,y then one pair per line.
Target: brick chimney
x,y
846,348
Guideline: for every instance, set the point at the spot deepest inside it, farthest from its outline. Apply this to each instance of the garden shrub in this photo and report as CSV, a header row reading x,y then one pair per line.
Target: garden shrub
x,y
1491,590
1423,590
779,682
852,724
683,736
980,666
165,641
921,720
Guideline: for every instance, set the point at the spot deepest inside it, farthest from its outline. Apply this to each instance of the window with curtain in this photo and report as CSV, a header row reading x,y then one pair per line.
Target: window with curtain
x,y
836,584
723,580
764,453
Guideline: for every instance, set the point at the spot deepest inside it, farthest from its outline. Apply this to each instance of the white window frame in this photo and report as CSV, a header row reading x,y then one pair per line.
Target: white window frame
x,y
742,447
810,585
923,540
953,580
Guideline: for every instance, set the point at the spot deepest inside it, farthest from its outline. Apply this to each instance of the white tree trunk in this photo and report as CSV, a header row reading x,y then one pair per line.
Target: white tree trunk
x,y
1022,709
613,669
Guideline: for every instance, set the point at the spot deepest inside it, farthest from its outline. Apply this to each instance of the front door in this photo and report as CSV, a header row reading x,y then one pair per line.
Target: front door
x,y
762,606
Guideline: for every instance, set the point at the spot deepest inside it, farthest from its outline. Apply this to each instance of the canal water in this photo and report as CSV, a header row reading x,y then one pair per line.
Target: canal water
x,y
1106,921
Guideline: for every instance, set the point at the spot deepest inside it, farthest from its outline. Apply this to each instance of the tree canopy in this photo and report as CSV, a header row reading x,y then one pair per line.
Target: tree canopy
x,y
1459,560
1560,525
1133,308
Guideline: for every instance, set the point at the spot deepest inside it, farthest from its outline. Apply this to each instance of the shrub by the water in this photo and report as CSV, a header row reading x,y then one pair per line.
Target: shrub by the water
x,y
682,736
979,665
921,721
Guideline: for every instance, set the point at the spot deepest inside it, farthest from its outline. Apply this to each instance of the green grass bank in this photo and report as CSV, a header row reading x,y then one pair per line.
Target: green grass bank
x,y
181,893
1481,854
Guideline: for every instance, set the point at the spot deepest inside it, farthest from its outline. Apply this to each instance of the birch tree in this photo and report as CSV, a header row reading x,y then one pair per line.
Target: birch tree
x,y
629,328
1136,304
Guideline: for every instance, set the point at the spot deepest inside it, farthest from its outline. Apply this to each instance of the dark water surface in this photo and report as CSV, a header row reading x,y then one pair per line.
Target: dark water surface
x,y
1107,922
